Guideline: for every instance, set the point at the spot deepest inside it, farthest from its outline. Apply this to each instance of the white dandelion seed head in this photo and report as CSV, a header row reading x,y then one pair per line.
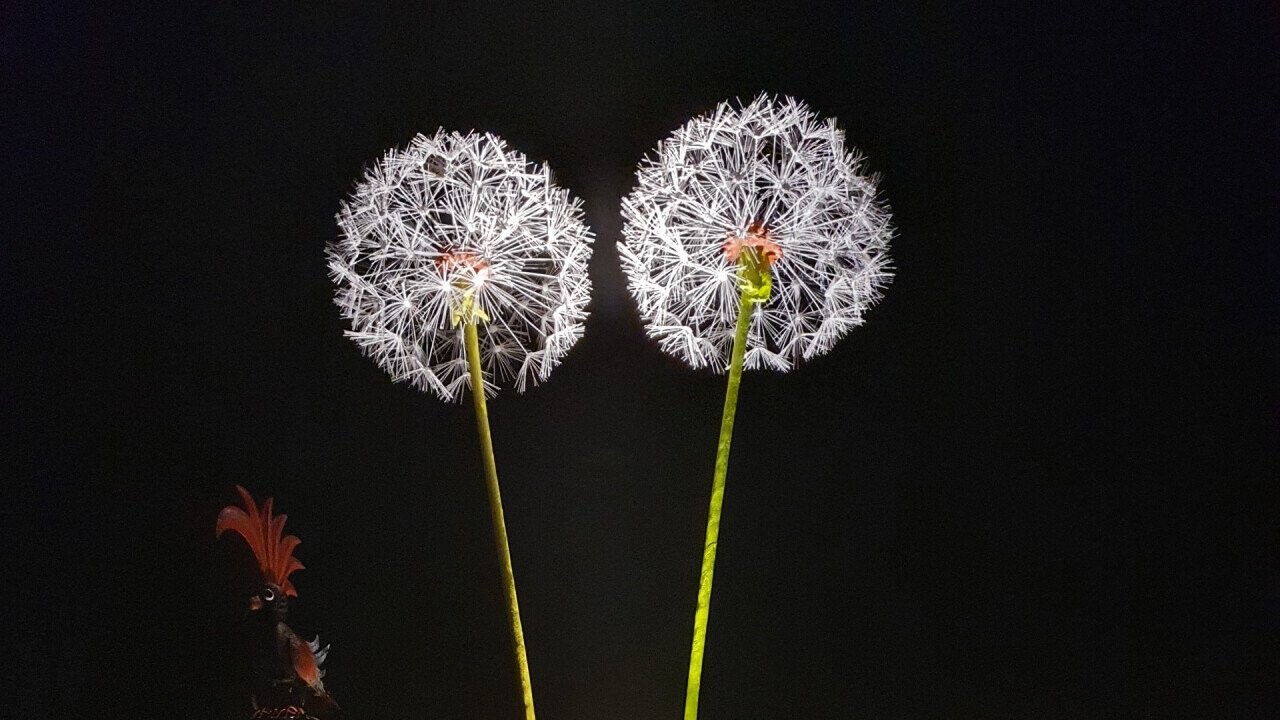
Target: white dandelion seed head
x,y
456,224
769,171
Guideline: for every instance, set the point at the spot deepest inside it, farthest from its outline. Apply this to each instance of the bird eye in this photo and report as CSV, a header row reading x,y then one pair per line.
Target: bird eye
x,y
268,594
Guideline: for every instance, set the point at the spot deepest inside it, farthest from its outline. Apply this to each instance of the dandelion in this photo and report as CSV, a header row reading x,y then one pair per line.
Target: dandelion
x,y
461,265
753,239
454,229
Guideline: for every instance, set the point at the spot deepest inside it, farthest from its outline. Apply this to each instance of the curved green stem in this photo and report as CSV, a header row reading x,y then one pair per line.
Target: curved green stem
x,y
495,511
745,308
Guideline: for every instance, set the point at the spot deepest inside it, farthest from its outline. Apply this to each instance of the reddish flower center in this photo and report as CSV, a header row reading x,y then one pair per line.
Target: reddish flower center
x,y
757,237
460,260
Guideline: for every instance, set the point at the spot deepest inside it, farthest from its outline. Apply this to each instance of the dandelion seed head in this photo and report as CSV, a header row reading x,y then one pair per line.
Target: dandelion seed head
x,y
460,224
772,176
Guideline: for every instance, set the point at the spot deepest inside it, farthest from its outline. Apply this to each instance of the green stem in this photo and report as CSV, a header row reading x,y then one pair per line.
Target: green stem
x,y
495,512
717,500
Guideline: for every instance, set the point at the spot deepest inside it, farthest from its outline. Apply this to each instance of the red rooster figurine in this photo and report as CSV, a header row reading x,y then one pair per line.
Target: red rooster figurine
x,y
286,666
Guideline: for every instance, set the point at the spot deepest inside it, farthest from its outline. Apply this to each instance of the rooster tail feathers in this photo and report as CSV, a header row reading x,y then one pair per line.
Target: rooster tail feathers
x,y
320,652
264,533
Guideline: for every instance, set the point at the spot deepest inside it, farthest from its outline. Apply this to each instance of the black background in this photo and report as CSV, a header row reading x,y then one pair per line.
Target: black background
x,y
1037,483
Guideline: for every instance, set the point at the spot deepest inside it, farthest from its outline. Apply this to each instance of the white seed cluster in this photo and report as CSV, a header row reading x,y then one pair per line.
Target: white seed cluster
x,y
770,164
457,226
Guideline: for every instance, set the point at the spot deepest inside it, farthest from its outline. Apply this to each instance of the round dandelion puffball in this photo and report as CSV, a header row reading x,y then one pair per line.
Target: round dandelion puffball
x,y
454,227
773,172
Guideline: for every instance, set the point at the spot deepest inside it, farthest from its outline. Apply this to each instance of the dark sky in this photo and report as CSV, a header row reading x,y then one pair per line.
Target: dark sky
x,y
1038,483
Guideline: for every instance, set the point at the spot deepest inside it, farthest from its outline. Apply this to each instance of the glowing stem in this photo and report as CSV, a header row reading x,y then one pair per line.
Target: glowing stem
x,y
745,308
495,511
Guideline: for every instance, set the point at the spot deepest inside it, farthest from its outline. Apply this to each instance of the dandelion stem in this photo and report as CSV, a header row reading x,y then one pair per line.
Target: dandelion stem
x,y
495,511
745,307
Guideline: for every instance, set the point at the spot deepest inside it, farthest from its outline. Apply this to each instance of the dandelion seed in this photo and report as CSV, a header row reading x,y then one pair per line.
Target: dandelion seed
x,y
459,221
769,175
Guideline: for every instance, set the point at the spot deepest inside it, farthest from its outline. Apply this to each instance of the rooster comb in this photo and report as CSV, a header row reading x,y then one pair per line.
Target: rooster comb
x,y
265,536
